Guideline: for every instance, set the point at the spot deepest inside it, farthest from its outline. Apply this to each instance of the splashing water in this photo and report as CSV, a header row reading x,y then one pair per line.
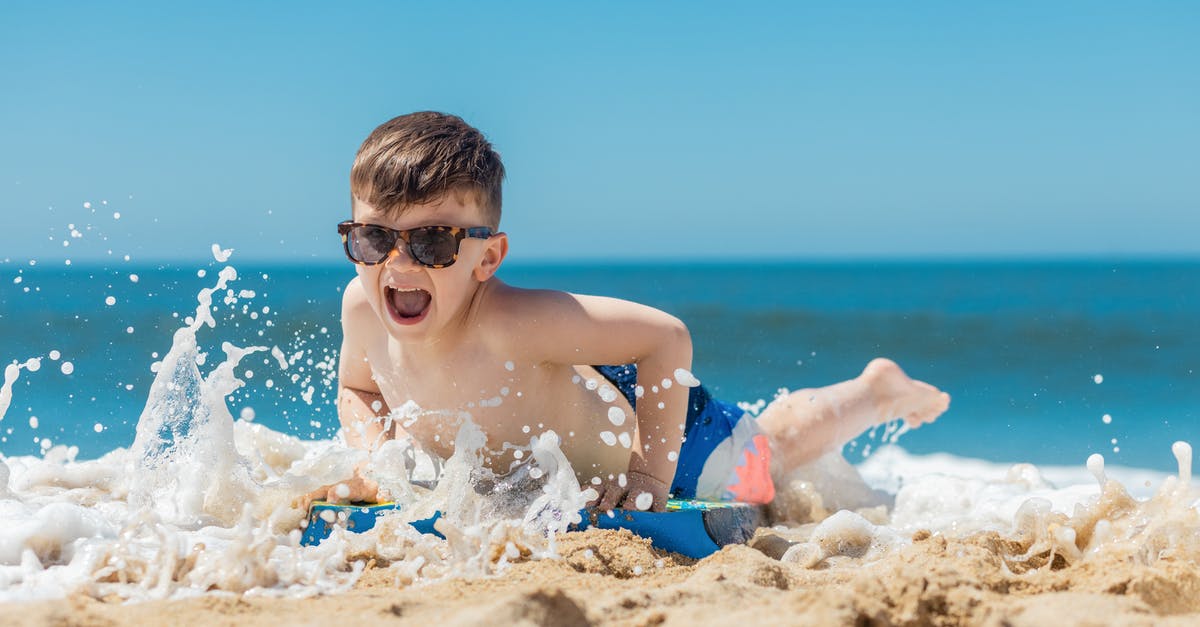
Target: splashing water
x,y
201,502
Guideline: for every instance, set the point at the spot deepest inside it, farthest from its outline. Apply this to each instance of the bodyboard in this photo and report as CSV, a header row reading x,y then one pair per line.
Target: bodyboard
x,y
689,527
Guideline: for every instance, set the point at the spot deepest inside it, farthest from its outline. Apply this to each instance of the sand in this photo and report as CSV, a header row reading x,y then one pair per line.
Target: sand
x,y
615,578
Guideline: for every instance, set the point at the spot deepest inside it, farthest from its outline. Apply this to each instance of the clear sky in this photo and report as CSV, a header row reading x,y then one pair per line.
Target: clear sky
x,y
629,130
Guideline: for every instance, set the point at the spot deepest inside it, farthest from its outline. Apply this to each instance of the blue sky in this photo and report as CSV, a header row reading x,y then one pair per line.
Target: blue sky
x,y
629,130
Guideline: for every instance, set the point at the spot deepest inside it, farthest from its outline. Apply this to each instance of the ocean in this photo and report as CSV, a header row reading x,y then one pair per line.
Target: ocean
x,y
1047,361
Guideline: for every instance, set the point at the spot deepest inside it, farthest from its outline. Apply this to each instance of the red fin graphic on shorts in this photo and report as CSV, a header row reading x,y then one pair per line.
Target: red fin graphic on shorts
x,y
754,483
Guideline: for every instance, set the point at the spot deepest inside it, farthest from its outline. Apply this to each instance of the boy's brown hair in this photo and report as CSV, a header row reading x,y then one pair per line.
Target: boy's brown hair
x,y
417,158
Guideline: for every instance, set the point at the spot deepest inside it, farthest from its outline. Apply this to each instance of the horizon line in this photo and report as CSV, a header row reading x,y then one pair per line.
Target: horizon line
x,y
898,259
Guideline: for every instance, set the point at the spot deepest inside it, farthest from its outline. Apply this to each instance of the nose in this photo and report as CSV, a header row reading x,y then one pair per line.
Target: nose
x,y
399,259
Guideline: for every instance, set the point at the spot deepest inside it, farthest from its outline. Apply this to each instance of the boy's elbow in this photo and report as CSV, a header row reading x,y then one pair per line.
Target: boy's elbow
x,y
679,336
679,330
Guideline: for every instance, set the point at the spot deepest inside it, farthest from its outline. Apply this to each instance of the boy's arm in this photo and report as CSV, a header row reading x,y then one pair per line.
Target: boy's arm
x,y
361,407
564,328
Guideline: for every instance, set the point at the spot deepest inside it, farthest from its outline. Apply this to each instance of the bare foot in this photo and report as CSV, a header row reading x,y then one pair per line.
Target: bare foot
x,y
900,396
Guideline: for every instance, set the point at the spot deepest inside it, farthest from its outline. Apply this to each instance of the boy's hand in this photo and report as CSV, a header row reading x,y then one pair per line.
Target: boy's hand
x,y
355,489
615,496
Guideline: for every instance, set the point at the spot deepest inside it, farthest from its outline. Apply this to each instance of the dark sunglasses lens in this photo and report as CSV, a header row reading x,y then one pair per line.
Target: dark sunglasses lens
x,y
370,244
433,247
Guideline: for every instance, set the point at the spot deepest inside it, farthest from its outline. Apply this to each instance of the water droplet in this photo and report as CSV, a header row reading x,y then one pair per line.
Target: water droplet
x,y
686,378
607,394
221,255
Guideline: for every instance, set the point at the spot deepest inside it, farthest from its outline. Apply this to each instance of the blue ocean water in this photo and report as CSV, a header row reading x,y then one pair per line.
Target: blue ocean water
x,y
1017,344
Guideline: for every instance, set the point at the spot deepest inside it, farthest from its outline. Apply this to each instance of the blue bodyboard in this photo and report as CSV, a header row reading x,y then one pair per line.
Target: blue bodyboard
x,y
689,527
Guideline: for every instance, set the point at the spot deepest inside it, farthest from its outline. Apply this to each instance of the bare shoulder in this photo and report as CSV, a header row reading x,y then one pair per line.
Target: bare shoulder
x,y
504,316
567,328
517,307
356,310
358,323
354,294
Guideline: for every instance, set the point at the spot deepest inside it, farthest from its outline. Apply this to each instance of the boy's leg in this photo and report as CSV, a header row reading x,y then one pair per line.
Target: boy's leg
x,y
806,424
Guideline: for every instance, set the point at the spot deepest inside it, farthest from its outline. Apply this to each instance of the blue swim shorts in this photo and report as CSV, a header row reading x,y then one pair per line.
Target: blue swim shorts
x,y
724,457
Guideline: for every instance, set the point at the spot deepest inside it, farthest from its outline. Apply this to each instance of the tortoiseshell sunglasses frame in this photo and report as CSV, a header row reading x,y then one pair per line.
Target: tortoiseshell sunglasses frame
x,y
459,233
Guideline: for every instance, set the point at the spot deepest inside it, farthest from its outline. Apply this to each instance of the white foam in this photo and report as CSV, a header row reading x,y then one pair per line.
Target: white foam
x,y
945,493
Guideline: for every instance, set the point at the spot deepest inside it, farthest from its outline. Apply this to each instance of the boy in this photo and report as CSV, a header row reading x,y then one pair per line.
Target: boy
x,y
426,321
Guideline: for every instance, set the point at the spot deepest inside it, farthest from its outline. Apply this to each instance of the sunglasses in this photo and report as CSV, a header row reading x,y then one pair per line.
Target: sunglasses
x,y
430,246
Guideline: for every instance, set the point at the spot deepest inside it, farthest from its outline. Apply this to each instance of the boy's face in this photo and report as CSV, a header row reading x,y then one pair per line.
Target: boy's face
x,y
413,301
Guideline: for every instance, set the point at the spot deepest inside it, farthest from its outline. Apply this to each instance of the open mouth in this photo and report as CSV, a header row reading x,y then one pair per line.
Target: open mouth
x,y
407,305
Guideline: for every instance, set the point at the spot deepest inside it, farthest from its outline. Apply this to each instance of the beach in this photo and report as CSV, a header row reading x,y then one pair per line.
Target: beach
x,y
931,582
993,547
993,196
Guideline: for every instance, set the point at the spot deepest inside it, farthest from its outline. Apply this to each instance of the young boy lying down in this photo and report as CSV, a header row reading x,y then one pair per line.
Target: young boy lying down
x,y
426,320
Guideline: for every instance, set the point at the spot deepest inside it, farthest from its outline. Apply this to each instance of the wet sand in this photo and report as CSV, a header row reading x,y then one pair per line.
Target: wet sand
x,y
615,578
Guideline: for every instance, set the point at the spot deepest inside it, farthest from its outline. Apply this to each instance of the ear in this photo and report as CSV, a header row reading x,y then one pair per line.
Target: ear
x,y
496,251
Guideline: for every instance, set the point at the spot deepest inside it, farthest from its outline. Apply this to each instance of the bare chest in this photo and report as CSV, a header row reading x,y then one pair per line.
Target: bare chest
x,y
508,399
